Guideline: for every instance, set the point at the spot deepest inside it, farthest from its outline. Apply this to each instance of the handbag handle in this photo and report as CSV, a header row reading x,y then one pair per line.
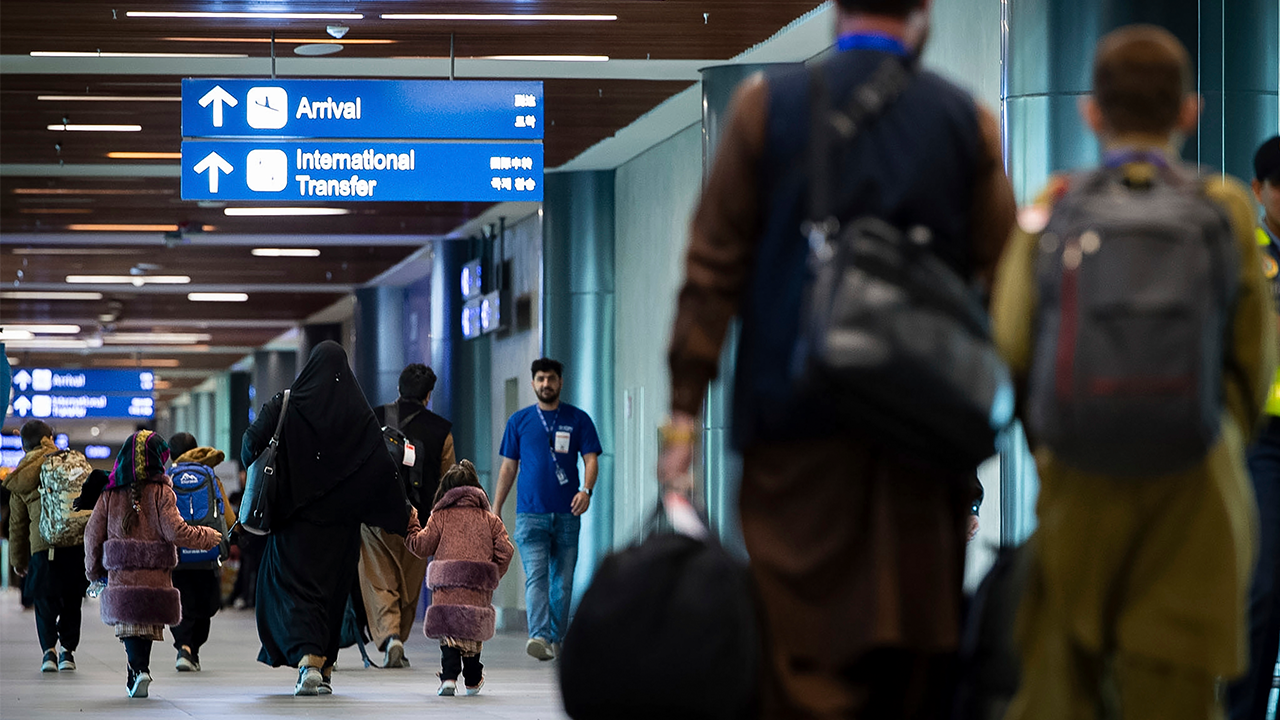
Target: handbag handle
x,y
284,409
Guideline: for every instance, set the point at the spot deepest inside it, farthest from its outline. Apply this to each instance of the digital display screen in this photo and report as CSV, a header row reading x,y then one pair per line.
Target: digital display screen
x,y
472,280
471,319
490,312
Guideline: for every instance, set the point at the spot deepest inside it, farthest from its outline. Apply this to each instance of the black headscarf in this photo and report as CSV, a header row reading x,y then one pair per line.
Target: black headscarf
x,y
333,446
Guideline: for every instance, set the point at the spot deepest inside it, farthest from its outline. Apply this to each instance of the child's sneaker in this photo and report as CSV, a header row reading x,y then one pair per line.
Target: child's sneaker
x,y
50,662
138,682
448,688
473,689
66,661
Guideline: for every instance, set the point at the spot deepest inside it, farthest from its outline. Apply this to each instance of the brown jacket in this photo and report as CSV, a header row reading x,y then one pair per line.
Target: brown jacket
x,y
24,506
137,564
472,552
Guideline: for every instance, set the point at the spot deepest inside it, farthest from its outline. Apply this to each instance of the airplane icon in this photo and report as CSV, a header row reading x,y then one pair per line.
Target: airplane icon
x,y
267,108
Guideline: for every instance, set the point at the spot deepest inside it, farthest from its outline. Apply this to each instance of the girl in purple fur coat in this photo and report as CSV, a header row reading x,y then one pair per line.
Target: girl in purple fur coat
x,y
472,552
131,541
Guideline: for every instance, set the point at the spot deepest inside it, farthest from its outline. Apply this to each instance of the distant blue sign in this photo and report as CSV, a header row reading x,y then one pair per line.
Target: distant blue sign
x,y
11,442
63,381
10,458
63,407
434,109
345,171
98,452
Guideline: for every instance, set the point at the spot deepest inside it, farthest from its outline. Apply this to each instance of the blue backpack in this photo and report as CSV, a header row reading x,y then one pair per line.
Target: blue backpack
x,y
201,504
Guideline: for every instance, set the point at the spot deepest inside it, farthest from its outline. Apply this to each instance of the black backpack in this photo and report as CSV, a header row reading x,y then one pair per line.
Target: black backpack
x,y
397,445
1136,278
671,598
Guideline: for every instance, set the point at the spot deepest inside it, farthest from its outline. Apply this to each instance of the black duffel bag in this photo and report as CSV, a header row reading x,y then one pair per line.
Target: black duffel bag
x,y
676,605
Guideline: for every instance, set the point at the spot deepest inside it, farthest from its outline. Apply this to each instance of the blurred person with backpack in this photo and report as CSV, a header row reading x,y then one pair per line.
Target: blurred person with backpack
x,y
1132,307
202,502
131,546
46,543
472,552
856,543
1249,698
391,577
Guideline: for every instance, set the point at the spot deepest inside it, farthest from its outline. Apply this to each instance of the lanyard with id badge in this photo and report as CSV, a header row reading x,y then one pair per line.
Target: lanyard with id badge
x,y
558,442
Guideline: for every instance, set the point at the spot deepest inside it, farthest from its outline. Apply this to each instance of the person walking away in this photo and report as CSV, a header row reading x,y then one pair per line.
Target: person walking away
x,y
1249,697
333,474
131,543
1139,416
541,445
53,573
198,577
472,553
391,576
856,546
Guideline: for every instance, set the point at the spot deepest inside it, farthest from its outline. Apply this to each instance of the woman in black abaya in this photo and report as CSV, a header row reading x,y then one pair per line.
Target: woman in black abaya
x,y
334,474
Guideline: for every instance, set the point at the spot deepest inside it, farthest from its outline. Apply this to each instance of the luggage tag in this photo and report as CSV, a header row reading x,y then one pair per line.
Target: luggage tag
x,y
410,454
562,442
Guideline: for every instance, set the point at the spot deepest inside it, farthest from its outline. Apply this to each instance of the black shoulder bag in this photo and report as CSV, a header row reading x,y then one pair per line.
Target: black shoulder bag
x,y
260,485
890,333
398,444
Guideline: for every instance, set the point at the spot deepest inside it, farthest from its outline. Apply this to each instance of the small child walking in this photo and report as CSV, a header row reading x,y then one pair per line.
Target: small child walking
x,y
472,552
130,541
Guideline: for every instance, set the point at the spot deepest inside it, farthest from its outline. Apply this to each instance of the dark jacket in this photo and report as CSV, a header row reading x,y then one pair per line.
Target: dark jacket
x,y
472,552
137,565
432,437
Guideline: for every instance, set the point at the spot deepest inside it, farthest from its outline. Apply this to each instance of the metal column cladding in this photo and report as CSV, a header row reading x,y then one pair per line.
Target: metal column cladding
x,y
721,465
578,327
1233,44
379,356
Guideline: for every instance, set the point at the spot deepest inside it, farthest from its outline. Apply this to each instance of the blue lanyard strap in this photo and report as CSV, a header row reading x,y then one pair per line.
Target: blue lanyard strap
x,y
550,427
872,41
1117,158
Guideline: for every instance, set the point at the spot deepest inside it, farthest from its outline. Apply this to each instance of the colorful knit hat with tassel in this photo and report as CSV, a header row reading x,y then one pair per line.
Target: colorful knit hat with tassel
x,y
143,456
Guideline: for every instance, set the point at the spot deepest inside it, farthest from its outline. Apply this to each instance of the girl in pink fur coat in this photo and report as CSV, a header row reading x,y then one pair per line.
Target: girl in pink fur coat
x,y
131,541
472,552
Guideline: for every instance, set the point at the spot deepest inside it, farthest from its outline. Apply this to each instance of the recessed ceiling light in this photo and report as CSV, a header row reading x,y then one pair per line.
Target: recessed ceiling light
x,y
548,58
125,227
317,49
145,155
150,338
53,295
286,252
138,280
96,128
108,98
88,191
11,335
217,297
245,15
139,363
68,54
497,17
282,211
54,211
75,251
43,329
286,41
54,344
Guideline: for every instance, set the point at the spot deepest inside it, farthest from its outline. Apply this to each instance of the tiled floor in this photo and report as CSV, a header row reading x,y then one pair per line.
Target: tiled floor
x,y
233,685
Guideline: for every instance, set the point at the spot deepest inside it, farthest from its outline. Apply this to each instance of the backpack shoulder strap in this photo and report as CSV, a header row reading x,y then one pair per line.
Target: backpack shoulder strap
x,y
391,415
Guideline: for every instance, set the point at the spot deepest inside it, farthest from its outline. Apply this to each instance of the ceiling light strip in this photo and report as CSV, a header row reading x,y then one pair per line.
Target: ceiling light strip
x,y
217,297
286,252
547,58
497,17
100,54
43,329
128,279
282,211
298,41
36,295
95,128
244,15
144,155
107,98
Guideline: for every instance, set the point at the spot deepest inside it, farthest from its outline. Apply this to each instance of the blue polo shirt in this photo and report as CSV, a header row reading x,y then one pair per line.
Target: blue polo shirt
x,y
529,439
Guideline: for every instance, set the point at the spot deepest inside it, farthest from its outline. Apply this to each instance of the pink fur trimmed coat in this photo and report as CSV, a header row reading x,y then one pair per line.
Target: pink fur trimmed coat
x,y
472,552
138,565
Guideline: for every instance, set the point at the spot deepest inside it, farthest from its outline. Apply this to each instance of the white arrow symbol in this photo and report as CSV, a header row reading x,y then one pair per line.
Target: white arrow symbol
x,y
217,96
22,380
213,162
22,406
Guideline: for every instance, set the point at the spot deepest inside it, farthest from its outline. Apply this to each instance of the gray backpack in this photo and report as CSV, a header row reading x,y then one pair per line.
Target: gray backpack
x,y
1136,278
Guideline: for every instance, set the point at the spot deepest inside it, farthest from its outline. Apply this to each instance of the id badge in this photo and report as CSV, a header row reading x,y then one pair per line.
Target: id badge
x,y
562,442
410,454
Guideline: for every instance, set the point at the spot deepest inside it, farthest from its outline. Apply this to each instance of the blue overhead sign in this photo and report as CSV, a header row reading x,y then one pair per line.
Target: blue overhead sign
x,y
350,109
347,171
83,405
63,381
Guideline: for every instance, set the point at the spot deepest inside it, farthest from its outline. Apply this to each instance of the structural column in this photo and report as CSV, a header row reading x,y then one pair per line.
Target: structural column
x,y
378,352
721,465
578,326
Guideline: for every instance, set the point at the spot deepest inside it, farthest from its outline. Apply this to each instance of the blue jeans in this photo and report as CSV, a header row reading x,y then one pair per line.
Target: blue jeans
x,y
549,551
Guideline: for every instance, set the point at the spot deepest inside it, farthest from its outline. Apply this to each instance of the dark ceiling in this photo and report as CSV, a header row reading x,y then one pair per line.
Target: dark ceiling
x,y
580,112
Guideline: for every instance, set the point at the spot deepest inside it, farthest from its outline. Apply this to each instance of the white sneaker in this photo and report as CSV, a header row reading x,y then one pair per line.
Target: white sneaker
x,y
394,657
447,688
141,682
309,679
473,689
539,649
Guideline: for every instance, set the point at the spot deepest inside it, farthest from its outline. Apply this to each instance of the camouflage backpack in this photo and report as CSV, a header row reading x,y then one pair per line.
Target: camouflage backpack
x,y
61,478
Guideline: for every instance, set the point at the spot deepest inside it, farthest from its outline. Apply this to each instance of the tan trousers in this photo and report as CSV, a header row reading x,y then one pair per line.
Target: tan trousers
x,y
391,583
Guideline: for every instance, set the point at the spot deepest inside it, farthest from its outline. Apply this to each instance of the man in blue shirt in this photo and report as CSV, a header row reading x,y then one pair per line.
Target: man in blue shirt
x,y
541,444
